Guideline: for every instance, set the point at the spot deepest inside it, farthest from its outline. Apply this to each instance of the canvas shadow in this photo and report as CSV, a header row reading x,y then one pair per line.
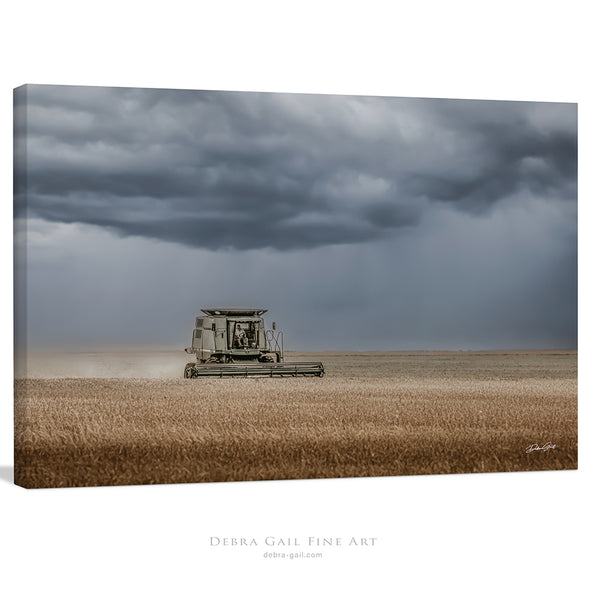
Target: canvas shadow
x,y
6,473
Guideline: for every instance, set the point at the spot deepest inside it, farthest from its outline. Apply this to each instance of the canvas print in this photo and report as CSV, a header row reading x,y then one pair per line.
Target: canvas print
x,y
223,286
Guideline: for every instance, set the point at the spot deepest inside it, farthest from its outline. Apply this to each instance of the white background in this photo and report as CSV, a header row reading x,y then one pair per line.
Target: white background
x,y
522,535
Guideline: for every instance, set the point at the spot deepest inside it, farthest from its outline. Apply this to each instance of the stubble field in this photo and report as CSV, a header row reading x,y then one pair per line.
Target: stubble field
x,y
373,414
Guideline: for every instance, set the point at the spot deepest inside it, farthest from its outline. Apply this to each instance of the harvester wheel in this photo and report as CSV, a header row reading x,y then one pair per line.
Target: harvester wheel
x,y
266,358
188,371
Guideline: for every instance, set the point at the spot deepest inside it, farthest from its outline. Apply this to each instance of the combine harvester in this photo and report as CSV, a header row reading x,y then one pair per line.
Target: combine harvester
x,y
233,342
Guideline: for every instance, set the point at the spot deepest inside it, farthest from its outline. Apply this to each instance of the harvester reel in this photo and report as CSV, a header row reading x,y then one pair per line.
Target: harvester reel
x,y
188,372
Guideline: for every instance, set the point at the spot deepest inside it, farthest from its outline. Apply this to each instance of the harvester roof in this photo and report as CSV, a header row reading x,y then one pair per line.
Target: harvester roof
x,y
234,312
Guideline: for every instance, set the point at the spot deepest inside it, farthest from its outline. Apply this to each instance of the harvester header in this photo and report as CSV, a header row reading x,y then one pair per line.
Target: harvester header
x,y
232,342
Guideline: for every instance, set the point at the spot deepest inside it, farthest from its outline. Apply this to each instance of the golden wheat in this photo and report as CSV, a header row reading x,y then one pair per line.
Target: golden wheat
x,y
411,414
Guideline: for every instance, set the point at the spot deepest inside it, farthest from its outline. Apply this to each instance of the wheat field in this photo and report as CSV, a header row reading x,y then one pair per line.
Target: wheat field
x,y
373,414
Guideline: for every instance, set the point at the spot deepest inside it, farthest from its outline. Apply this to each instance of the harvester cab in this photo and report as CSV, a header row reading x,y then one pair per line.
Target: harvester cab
x,y
234,342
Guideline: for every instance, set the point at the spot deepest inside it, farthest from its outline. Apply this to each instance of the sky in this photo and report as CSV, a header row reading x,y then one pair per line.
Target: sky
x,y
361,223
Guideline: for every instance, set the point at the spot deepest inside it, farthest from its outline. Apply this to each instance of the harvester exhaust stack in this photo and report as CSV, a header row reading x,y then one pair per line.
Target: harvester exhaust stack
x,y
233,342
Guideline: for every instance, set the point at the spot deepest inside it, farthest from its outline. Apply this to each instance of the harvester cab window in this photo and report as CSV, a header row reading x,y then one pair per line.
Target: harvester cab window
x,y
243,334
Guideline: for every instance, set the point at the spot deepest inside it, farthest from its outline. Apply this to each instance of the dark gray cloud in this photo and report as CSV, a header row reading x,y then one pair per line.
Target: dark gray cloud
x,y
255,170
361,222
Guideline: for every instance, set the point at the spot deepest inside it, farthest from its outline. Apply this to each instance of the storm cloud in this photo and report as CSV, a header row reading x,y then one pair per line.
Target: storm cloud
x,y
361,223
233,170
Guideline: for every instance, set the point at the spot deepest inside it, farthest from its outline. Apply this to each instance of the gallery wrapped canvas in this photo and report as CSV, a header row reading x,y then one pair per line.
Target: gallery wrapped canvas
x,y
232,286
